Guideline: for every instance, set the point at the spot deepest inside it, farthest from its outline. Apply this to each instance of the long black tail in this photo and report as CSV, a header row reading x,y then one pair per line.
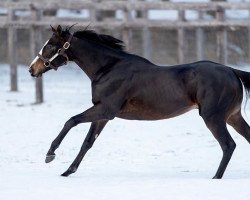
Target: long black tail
x,y
245,79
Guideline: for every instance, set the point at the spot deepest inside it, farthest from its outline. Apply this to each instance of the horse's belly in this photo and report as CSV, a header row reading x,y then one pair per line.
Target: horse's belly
x,y
138,110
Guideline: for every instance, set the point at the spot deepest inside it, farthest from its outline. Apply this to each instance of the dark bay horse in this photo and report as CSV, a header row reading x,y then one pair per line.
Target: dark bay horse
x,y
130,87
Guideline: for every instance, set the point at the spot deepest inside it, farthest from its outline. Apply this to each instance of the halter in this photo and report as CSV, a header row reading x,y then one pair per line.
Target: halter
x,y
61,52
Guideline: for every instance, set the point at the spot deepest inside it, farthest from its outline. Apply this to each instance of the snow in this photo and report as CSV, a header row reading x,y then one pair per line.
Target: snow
x,y
169,159
237,14
163,14
3,11
84,13
23,13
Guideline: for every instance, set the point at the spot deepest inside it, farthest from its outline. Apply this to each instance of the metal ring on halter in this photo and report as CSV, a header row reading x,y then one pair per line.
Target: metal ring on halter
x,y
47,64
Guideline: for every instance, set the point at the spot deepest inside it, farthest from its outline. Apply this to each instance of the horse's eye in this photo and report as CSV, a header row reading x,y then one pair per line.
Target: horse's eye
x,y
49,46
49,49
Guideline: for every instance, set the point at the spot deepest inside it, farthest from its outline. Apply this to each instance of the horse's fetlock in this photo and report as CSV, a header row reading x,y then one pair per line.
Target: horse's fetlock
x,y
72,169
54,145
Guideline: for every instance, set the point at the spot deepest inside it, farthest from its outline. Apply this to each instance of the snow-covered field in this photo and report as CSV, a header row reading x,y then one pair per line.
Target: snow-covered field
x,y
170,159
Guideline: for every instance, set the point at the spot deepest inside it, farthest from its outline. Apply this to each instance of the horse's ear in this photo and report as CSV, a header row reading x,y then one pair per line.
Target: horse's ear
x,y
53,29
59,30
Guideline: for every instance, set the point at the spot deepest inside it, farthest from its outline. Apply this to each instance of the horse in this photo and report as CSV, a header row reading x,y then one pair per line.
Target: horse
x,y
128,86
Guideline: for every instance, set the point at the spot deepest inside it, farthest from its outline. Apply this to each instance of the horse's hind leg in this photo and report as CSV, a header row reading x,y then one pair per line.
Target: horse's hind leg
x,y
94,131
217,126
240,125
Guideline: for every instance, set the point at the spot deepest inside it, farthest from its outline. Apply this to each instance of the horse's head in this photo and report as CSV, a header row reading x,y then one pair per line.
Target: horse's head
x,y
53,53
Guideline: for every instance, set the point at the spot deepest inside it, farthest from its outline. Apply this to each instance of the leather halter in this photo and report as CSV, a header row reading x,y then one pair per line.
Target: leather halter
x,y
61,52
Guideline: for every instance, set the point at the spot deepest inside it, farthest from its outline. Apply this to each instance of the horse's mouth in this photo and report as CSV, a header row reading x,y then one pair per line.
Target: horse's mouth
x,y
39,74
36,75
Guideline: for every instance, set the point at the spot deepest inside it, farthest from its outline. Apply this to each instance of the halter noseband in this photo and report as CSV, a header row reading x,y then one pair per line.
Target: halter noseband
x,y
61,52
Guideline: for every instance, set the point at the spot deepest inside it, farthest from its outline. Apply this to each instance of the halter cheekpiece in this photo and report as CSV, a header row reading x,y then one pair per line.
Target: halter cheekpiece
x,y
60,52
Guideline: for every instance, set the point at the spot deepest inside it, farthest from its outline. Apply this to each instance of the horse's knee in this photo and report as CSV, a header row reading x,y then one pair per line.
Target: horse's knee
x,y
70,123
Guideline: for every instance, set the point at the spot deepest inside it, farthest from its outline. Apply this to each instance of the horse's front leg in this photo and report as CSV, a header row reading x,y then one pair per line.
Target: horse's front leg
x,y
94,131
93,114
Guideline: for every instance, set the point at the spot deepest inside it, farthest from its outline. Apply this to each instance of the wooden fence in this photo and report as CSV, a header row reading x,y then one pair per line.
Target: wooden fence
x,y
36,20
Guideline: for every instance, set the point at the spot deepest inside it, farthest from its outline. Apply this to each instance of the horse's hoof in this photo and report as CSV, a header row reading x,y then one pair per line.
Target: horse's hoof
x,y
66,174
49,158
216,177
70,170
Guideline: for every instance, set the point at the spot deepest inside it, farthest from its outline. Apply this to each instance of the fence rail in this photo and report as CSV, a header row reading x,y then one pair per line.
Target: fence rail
x,y
35,19
125,7
126,4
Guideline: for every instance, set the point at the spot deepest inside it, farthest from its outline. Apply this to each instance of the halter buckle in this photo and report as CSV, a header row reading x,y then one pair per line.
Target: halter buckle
x,y
47,64
66,45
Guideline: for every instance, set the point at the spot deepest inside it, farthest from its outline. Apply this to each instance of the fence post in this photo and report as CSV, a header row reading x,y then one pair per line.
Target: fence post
x,y
36,43
146,38
12,51
181,15
126,32
248,30
92,16
200,40
221,38
248,54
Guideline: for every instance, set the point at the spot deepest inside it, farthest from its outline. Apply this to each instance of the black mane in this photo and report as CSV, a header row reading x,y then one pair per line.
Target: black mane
x,y
106,40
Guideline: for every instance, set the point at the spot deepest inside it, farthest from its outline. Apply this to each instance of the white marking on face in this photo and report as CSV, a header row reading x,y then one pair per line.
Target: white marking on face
x,y
40,52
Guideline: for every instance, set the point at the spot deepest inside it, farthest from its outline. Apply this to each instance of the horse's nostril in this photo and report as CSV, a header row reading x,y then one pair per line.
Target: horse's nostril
x,y
31,71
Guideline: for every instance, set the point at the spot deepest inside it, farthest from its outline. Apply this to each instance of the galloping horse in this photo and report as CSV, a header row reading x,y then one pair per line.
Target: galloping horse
x,y
130,87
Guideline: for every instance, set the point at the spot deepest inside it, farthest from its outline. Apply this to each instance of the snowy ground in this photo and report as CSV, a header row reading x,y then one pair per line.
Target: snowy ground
x,y
170,159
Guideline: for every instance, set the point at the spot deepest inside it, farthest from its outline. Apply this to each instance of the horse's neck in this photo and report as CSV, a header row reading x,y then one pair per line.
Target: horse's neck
x,y
92,57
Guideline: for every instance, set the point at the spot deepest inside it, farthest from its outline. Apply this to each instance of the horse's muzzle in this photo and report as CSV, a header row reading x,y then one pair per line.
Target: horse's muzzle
x,y
31,71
